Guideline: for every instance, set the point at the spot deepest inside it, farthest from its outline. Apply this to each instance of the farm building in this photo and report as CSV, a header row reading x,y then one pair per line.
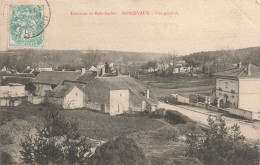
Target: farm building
x,y
68,96
117,94
239,90
12,94
112,95
48,80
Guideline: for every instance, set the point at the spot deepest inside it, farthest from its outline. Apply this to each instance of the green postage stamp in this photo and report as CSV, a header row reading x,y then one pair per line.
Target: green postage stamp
x,y
26,26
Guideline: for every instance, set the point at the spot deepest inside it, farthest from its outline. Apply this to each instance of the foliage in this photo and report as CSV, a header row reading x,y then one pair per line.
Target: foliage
x,y
58,142
5,158
30,87
107,68
121,150
5,138
174,117
221,145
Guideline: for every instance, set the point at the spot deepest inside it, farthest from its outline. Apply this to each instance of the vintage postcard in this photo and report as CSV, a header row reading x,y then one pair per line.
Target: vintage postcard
x,y
130,82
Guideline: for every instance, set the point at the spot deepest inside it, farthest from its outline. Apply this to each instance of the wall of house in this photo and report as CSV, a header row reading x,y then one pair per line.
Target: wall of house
x,y
97,97
74,99
45,69
56,101
36,99
119,101
249,94
135,103
10,102
41,89
227,90
12,91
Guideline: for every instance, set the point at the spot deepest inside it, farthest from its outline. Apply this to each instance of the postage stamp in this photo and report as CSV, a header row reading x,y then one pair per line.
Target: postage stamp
x,y
26,26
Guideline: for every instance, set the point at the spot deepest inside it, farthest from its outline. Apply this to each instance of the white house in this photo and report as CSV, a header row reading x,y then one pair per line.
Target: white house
x,y
68,96
43,66
48,80
239,90
12,94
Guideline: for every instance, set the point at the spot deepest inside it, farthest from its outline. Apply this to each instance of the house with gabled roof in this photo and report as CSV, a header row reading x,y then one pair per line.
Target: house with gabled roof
x,y
68,96
238,89
118,94
48,80
44,66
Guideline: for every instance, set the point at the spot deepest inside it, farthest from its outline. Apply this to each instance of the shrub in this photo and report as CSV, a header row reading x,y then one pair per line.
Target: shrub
x,y
5,138
58,142
159,113
174,117
221,145
169,134
121,150
5,158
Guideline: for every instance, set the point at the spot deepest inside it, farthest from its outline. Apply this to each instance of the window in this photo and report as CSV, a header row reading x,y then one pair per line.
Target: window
x,y
76,94
120,94
226,84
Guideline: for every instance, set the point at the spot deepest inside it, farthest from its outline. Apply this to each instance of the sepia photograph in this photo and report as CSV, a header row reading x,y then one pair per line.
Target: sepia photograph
x,y
129,82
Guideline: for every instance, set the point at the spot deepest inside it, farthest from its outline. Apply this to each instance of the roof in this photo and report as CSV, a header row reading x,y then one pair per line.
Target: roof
x,y
127,83
28,70
236,72
24,75
61,90
20,80
93,69
87,76
5,73
56,77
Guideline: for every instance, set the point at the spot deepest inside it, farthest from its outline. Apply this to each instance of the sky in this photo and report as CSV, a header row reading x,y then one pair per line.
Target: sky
x,y
200,25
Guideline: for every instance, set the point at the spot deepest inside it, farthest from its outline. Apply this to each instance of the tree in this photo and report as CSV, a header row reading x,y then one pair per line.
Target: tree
x,y
107,68
58,142
221,145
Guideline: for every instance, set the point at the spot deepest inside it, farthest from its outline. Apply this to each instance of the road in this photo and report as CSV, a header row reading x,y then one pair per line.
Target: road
x,y
250,129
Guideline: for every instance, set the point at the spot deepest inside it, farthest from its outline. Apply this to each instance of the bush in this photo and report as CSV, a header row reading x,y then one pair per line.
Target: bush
x,y
169,134
174,117
58,142
5,138
5,158
221,145
121,150
159,113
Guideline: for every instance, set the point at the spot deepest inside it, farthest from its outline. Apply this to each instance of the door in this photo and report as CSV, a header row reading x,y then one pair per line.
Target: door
x,y
120,109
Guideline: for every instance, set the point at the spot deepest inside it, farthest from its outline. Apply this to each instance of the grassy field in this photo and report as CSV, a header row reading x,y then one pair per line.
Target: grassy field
x,y
165,86
160,141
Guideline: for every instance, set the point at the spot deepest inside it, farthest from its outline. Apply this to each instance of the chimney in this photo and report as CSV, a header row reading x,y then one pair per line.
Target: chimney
x,y
249,69
147,93
103,71
240,65
83,71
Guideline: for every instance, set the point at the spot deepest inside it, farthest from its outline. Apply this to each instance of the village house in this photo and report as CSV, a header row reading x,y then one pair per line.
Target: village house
x,y
12,94
43,66
118,94
48,80
238,89
68,96
113,95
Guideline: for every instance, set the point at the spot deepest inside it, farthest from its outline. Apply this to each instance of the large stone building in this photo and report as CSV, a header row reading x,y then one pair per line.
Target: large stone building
x,y
113,95
239,89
